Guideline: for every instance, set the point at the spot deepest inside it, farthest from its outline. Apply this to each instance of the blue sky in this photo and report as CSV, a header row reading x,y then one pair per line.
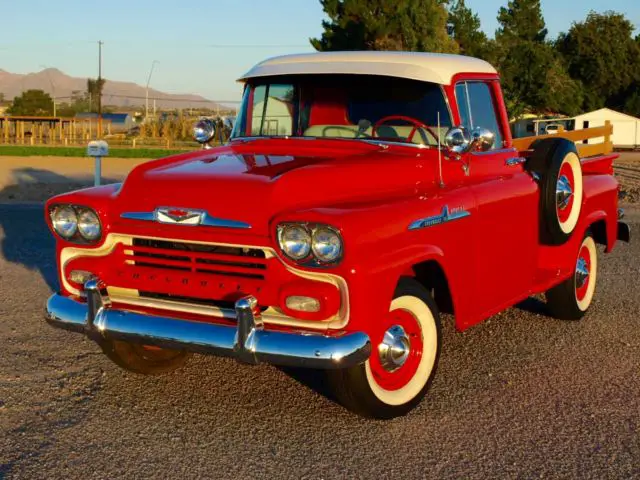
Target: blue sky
x,y
201,46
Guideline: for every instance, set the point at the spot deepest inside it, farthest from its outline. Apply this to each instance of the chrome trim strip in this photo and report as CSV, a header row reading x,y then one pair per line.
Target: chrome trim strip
x,y
248,342
445,216
206,220
144,216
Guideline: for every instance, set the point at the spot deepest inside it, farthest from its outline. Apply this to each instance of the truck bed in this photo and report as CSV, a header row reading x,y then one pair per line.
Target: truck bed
x,y
602,151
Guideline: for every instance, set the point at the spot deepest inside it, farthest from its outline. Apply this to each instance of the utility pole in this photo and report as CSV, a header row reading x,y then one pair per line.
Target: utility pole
x,y
53,88
100,42
146,103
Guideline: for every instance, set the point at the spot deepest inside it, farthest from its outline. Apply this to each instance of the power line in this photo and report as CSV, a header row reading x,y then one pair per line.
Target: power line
x,y
163,99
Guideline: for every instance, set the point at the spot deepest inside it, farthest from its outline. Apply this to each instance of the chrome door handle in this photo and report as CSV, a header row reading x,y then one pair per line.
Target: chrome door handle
x,y
510,162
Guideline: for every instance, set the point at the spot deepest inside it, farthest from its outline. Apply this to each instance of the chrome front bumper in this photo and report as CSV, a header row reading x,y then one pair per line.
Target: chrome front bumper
x,y
248,342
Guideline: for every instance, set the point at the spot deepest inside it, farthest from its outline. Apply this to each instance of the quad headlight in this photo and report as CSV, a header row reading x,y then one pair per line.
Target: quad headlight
x,y
326,244
295,241
65,221
311,244
76,223
89,225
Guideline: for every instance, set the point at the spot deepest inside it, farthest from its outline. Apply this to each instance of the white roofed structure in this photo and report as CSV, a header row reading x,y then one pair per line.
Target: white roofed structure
x,y
428,67
626,129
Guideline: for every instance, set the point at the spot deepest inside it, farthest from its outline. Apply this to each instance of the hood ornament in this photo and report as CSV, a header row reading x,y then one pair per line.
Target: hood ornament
x,y
182,216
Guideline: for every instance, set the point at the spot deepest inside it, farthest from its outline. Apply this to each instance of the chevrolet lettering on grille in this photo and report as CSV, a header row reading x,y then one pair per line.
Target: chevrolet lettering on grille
x,y
179,215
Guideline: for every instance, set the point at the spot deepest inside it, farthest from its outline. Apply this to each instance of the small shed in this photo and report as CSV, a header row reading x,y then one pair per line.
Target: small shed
x,y
626,129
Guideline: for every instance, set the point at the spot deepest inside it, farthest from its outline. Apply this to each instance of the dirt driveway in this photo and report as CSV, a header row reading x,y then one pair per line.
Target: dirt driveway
x,y
35,179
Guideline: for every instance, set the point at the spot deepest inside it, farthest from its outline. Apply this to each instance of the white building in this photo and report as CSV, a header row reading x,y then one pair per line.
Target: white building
x,y
626,129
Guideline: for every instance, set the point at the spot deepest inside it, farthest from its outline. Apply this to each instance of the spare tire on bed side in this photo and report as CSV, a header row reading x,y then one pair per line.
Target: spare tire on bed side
x,y
556,162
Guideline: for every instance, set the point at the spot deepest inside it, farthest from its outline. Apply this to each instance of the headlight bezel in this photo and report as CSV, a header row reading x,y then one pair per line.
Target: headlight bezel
x,y
78,236
311,259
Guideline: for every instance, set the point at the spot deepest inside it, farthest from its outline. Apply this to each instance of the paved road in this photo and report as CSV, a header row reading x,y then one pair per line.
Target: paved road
x,y
519,396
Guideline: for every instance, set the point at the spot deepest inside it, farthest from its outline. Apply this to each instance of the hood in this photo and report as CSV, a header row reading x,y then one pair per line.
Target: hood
x,y
253,181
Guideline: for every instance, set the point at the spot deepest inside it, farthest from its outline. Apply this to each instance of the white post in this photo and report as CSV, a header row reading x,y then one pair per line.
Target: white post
x,y
97,149
98,172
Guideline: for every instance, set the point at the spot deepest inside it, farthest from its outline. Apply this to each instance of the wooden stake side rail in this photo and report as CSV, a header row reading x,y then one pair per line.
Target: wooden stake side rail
x,y
584,150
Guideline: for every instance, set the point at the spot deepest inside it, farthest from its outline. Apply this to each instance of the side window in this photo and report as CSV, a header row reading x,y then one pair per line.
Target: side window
x,y
475,101
463,104
272,110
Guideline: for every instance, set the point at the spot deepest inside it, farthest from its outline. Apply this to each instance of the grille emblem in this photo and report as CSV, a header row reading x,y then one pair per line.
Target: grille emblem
x,y
180,216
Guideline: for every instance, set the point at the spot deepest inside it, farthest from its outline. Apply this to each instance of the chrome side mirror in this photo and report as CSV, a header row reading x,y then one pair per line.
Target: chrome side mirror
x,y
458,140
229,123
203,131
227,128
482,139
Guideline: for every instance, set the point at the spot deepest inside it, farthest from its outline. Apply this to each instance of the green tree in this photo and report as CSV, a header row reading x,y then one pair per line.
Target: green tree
x,y
521,20
32,102
534,76
602,53
632,101
465,29
413,25
94,92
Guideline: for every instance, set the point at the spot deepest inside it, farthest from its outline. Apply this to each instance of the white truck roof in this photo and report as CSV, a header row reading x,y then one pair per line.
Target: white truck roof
x,y
427,67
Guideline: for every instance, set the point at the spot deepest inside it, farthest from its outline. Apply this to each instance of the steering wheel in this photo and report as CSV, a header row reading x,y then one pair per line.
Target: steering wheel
x,y
416,125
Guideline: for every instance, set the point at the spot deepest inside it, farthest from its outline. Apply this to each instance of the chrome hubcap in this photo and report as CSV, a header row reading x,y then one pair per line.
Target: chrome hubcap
x,y
563,192
582,273
394,349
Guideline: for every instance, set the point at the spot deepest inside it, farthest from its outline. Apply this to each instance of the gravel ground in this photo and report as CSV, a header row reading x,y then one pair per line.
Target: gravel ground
x,y
627,170
518,396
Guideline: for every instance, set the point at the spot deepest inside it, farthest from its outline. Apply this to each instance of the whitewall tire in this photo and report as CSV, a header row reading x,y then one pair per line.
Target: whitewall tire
x,y
571,299
405,352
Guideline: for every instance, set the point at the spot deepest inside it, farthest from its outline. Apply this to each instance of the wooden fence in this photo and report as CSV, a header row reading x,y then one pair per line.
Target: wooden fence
x,y
584,149
25,130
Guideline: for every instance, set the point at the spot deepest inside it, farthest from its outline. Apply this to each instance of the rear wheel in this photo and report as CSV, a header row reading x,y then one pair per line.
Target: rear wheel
x,y
143,359
571,299
403,361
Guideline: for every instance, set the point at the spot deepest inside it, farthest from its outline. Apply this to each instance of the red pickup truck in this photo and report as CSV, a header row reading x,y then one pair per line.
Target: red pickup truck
x,y
360,194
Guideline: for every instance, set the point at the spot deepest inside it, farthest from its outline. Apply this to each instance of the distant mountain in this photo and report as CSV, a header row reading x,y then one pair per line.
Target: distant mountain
x,y
121,94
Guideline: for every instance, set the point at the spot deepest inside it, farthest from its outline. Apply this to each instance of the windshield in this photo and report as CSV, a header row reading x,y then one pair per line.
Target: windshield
x,y
344,106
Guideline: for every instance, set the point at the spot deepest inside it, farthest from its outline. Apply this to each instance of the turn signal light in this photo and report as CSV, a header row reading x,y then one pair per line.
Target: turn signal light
x,y
80,277
301,303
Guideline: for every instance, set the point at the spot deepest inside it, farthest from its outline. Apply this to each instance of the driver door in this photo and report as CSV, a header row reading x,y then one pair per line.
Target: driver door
x,y
507,205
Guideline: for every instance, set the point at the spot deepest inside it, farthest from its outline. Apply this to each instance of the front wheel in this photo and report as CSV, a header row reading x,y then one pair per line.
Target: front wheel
x,y
570,299
403,361
143,359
